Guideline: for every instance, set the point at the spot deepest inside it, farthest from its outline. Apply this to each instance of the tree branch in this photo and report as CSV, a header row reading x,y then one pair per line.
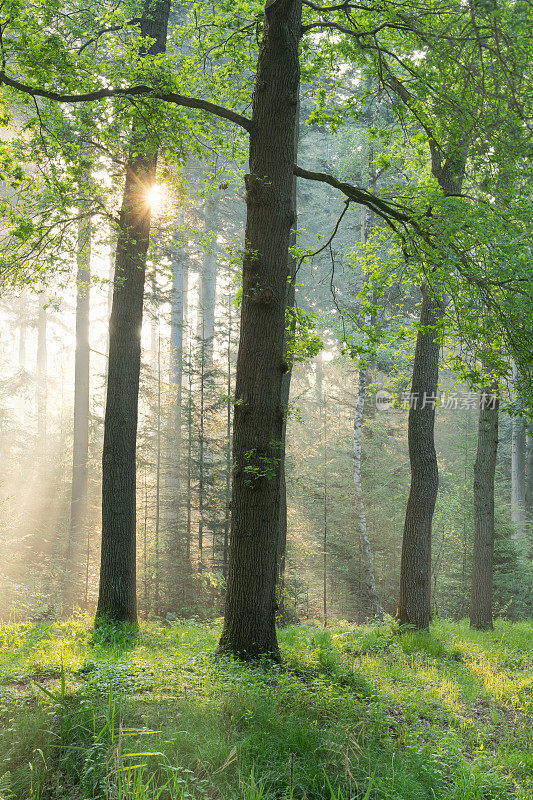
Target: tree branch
x,y
131,91
387,211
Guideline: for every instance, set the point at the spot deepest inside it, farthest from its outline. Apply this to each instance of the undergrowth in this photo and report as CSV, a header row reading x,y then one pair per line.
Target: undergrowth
x,y
361,713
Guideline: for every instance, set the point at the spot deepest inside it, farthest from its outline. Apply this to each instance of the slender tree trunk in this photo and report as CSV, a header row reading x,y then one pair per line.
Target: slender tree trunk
x,y
117,595
370,593
42,391
249,624
414,605
484,471
373,607
518,473
177,325
208,279
201,452
157,596
325,512
178,563
415,568
227,517
23,328
80,449
189,458
529,473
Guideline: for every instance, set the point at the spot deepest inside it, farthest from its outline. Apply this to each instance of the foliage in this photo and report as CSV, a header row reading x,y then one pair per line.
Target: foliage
x,y
352,712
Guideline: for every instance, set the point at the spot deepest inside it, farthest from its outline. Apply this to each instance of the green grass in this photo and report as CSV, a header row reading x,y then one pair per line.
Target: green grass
x,y
351,713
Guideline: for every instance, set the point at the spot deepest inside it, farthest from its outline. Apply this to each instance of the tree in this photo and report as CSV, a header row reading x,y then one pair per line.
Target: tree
x,y
249,624
415,570
80,446
117,594
484,471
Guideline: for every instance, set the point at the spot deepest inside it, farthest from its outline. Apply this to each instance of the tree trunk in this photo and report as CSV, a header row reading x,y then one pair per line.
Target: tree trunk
x,y
529,473
285,397
373,607
177,324
415,567
117,594
414,606
484,470
42,393
518,473
208,287
371,598
178,565
249,624
23,327
227,517
80,449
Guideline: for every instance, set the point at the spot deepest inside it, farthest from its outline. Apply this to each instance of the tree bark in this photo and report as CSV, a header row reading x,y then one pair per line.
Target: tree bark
x,y
518,473
282,616
249,624
117,594
414,606
484,471
415,567
529,473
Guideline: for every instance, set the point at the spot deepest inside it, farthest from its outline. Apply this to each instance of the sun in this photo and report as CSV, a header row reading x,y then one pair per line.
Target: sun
x,y
155,198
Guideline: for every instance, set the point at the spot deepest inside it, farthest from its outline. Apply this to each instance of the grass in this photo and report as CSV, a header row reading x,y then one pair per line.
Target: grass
x,y
351,713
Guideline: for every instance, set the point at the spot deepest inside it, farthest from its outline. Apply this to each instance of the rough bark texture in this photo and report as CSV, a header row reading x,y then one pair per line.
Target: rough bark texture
x,y
483,553
249,625
80,447
415,568
117,593
284,617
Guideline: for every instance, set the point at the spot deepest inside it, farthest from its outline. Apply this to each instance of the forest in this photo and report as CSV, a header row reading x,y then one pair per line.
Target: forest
x,y
266,400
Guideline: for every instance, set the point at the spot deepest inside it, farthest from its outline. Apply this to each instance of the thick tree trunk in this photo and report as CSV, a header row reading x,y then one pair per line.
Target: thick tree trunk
x,y
415,568
117,594
484,470
249,625
80,449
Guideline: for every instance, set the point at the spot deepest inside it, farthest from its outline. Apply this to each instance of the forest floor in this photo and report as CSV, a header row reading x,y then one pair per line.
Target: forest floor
x,y
351,713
